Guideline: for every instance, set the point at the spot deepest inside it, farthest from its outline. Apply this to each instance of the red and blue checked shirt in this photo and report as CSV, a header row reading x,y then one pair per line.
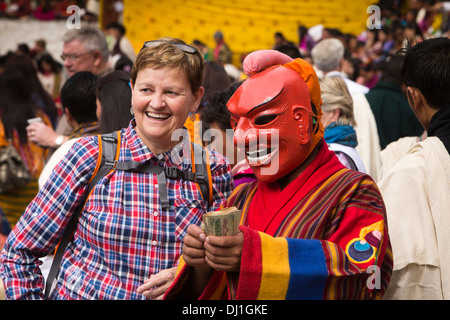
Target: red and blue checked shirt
x,y
123,235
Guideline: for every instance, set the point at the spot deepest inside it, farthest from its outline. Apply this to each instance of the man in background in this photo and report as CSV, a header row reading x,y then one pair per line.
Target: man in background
x,y
416,190
84,49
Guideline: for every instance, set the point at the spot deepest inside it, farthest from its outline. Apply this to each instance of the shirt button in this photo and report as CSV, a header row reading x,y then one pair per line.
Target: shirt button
x,y
155,214
156,186
154,243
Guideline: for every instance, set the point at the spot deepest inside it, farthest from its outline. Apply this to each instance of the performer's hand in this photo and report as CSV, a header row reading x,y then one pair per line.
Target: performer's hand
x,y
262,59
156,286
194,256
193,246
224,253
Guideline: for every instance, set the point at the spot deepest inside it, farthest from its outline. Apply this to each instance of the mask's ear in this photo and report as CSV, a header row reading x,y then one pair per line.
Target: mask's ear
x,y
303,119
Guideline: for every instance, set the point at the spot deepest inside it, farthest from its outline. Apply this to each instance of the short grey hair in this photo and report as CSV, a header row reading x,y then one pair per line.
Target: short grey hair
x,y
91,38
327,54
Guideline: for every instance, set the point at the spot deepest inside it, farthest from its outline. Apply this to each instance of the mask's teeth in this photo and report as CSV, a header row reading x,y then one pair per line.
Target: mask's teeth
x,y
259,155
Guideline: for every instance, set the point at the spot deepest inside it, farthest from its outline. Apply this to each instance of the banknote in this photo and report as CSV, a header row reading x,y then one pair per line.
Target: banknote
x,y
224,222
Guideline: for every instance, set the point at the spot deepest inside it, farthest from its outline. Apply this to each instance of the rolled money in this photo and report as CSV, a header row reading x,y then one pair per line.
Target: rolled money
x,y
224,222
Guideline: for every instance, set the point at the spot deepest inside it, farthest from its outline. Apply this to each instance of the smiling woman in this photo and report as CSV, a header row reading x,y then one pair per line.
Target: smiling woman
x,y
166,83
131,239
162,101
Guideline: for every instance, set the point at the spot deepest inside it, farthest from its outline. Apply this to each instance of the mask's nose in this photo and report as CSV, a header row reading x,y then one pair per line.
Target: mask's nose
x,y
244,133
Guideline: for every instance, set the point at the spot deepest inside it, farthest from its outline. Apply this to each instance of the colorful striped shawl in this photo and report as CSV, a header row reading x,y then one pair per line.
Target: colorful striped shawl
x,y
316,239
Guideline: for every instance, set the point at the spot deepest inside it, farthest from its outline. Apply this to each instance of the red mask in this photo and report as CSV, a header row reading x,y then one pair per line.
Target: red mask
x,y
273,122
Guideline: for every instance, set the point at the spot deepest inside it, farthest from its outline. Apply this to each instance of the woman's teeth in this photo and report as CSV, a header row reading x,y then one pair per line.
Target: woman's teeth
x,y
157,115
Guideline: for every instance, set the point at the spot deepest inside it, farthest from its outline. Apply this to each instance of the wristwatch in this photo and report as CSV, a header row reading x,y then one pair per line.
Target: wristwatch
x,y
59,140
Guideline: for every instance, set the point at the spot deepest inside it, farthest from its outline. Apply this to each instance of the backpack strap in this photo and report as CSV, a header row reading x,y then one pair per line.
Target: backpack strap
x,y
200,174
105,163
108,143
202,167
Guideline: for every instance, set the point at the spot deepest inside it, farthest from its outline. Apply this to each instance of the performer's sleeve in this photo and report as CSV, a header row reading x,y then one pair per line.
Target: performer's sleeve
x,y
214,290
275,268
349,266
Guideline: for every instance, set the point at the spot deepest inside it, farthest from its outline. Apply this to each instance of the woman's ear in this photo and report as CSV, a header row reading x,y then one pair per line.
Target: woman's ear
x,y
197,99
336,114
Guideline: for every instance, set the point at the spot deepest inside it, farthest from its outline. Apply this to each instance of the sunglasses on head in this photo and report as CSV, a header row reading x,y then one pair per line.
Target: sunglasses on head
x,y
183,47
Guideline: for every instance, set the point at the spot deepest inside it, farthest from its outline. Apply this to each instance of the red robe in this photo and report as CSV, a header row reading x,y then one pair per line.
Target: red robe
x,y
322,237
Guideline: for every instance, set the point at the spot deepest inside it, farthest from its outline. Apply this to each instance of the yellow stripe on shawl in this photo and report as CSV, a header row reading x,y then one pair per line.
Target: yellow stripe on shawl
x,y
334,263
275,268
219,290
181,264
217,295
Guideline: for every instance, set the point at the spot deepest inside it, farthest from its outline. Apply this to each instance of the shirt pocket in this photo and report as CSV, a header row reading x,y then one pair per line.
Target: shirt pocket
x,y
187,212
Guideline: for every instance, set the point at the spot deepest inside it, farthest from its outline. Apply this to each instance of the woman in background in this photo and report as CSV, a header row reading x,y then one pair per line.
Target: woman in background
x,y
50,75
339,122
16,107
42,99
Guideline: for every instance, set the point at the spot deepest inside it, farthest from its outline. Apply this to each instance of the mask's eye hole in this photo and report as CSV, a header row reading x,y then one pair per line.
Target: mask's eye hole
x,y
265,119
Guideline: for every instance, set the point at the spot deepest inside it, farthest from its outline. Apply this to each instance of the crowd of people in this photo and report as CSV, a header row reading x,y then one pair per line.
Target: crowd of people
x,y
356,126
48,10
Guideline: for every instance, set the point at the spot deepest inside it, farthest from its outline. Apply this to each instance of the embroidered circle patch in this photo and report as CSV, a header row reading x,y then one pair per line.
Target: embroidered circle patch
x,y
359,250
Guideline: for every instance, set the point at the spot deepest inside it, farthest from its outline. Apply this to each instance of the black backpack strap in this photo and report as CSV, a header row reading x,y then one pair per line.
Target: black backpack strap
x,y
200,174
109,152
203,170
105,163
136,166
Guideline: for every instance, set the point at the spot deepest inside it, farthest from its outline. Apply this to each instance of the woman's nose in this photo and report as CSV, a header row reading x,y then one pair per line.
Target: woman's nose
x,y
157,101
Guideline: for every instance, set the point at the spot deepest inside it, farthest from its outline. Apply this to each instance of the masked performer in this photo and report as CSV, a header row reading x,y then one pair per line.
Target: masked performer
x,y
310,228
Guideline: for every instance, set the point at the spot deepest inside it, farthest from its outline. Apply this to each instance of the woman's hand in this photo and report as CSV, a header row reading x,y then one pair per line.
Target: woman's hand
x,y
156,286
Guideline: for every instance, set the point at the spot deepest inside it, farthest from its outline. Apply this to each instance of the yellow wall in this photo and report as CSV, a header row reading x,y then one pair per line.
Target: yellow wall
x,y
247,25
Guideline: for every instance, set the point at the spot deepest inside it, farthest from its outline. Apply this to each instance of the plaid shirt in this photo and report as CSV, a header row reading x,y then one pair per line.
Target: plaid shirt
x,y
123,235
